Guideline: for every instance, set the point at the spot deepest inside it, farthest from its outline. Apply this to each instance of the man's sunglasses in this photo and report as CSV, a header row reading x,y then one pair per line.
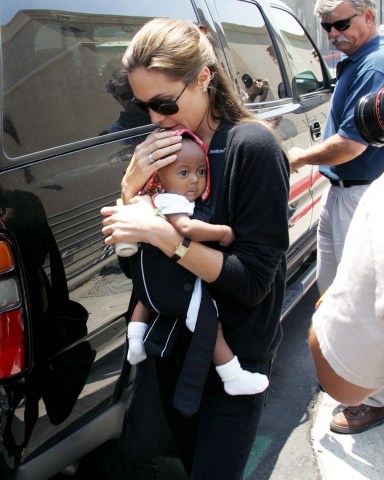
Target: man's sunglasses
x,y
164,106
340,25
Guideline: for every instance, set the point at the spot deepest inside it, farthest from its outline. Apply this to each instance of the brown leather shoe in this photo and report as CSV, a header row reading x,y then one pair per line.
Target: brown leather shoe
x,y
357,419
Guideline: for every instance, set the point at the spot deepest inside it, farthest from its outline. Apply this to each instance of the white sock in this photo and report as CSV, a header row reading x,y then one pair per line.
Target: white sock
x,y
241,382
136,351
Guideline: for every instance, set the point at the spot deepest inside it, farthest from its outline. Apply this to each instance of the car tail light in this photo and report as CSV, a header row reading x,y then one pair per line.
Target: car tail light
x,y
6,259
12,336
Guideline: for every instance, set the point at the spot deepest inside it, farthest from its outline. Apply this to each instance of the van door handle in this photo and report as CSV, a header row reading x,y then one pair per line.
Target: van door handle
x,y
315,128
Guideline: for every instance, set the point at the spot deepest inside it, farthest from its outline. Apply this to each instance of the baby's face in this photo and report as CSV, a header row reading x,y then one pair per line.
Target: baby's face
x,y
187,175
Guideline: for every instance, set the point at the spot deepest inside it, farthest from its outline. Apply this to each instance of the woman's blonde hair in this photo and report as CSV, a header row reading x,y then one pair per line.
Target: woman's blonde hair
x,y
180,50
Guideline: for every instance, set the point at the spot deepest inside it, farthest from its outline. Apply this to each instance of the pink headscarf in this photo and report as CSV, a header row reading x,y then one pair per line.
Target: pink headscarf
x,y
154,186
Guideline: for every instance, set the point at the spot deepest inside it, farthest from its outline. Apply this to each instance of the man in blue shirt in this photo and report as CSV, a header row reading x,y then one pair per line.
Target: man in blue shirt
x,y
345,158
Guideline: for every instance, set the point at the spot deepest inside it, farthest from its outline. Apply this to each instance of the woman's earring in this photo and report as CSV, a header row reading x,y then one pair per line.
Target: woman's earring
x,y
205,88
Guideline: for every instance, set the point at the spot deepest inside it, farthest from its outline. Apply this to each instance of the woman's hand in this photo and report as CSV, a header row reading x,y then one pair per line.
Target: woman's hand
x,y
137,222
128,223
158,149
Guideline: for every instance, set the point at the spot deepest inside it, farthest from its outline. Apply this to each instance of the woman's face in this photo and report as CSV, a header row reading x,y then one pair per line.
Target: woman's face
x,y
149,86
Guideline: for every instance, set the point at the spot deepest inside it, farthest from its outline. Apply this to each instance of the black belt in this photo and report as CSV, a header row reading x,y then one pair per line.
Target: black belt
x,y
349,183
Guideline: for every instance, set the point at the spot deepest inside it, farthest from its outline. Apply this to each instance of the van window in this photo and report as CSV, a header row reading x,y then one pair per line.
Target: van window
x,y
57,64
251,49
302,55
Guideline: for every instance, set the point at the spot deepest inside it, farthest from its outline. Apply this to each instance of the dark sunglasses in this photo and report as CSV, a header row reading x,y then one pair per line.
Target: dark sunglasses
x,y
164,106
340,25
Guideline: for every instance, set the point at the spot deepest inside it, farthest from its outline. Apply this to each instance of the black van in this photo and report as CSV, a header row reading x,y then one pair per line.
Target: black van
x,y
64,383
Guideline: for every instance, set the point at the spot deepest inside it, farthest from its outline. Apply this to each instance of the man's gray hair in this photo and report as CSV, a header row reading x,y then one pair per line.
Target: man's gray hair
x,y
325,7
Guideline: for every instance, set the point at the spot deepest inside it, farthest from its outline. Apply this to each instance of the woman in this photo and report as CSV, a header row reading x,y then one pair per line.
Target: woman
x,y
175,74
174,190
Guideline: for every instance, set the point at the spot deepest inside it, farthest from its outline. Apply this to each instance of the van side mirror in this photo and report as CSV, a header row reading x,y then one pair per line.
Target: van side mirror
x,y
306,82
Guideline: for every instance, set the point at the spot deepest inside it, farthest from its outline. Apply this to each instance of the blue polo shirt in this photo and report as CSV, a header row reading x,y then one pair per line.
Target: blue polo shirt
x,y
358,75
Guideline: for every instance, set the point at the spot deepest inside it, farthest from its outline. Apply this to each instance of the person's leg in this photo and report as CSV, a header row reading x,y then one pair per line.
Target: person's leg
x,y
236,380
183,429
215,442
222,353
377,399
227,430
326,260
337,208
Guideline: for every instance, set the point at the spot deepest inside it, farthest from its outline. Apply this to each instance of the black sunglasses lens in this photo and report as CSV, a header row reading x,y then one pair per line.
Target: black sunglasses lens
x,y
340,26
327,26
167,107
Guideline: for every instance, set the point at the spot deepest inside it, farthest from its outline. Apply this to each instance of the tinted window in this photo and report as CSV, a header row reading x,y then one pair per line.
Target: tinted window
x,y
251,48
57,60
302,54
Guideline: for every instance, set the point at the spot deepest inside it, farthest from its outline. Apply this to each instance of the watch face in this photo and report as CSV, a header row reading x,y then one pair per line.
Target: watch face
x,y
181,250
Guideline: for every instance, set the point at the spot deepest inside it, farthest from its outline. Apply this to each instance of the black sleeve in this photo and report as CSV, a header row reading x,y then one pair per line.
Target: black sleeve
x,y
254,198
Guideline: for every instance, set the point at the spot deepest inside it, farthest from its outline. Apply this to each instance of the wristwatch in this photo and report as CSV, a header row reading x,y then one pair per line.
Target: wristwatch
x,y
181,249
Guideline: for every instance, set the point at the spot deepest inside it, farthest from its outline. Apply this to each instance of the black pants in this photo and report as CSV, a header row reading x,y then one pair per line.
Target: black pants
x,y
214,443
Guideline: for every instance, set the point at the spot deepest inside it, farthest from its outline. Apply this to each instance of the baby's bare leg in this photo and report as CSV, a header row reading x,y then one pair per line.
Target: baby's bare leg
x,y
222,353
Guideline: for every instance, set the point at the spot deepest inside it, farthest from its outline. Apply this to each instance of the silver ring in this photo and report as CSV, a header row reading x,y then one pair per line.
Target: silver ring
x,y
150,158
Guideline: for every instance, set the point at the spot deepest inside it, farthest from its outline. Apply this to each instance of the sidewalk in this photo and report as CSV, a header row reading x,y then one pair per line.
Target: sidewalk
x,y
352,457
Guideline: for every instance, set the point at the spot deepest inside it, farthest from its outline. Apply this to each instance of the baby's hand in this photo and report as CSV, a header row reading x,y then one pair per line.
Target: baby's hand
x,y
228,236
